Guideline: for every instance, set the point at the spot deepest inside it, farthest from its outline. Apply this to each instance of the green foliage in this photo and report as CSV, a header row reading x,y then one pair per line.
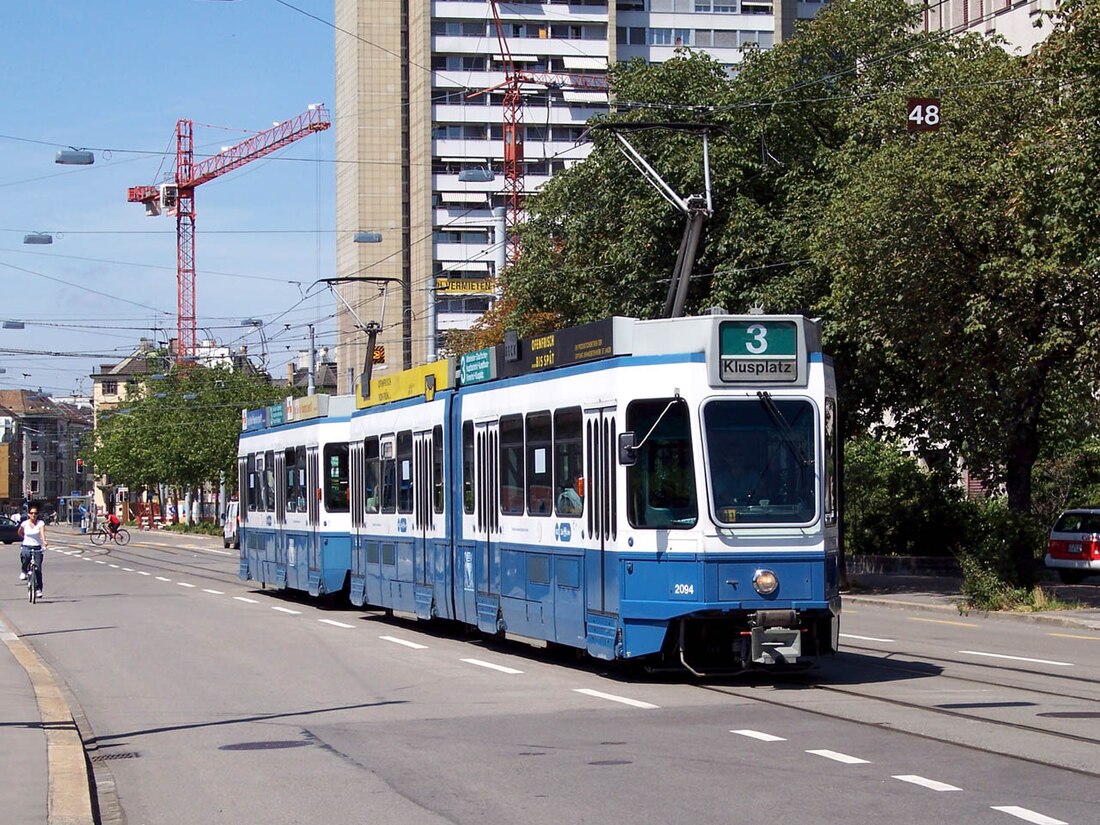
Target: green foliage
x,y
984,589
182,431
205,528
893,506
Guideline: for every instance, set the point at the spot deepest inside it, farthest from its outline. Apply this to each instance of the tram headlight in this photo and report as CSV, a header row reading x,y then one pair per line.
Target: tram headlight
x,y
765,582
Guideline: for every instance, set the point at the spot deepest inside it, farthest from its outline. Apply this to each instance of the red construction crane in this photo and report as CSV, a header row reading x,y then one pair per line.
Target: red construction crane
x,y
178,198
514,81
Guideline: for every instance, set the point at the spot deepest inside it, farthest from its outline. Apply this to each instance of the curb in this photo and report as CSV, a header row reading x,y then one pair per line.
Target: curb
x,y
69,798
1037,618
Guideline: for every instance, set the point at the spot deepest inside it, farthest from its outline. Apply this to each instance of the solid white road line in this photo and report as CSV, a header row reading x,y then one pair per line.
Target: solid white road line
x,y
840,757
1016,658
491,666
863,638
335,623
184,584
634,703
1028,816
287,610
243,599
755,734
215,592
926,783
397,641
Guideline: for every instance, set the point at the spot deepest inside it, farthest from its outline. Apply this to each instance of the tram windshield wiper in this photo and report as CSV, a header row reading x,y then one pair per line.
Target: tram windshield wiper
x,y
785,429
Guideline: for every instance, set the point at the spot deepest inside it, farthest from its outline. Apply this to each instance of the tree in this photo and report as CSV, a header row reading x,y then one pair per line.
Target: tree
x,y
182,431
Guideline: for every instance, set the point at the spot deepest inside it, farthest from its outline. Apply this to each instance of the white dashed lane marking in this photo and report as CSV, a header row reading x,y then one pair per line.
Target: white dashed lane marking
x,y
162,579
1028,816
287,610
243,599
491,666
215,592
335,623
397,641
184,584
128,569
840,757
932,784
634,703
755,734
1016,658
143,573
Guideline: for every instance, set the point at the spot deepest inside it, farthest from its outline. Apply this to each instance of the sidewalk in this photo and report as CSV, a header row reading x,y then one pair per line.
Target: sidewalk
x,y
22,742
944,593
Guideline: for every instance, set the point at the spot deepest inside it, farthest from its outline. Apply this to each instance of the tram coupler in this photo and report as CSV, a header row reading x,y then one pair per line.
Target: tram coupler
x,y
774,637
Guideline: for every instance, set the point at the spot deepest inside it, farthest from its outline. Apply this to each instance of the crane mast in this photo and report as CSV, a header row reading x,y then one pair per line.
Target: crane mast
x,y
512,123
178,198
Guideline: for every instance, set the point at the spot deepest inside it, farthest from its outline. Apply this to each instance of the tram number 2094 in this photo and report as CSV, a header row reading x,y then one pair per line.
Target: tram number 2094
x,y
683,590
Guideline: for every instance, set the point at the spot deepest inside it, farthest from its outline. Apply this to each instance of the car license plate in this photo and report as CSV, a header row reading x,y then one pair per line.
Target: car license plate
x,y
1075,548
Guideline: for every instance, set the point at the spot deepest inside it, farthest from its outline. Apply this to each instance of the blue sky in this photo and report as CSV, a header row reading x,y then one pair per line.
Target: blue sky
x,y
115,76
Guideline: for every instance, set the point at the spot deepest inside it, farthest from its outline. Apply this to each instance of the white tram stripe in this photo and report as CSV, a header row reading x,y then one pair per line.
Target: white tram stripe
x,y
1016,658
840,757
491,666
1027,816
755,734
926,783
863,638
397,641
335,623
286,610
215,592
634,703
240,598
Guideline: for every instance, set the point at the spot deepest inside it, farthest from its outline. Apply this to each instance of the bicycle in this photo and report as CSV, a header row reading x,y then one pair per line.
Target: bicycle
x,y
32,576
103,536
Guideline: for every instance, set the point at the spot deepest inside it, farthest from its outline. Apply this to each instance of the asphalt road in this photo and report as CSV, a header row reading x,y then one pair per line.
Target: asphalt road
x,y
206,700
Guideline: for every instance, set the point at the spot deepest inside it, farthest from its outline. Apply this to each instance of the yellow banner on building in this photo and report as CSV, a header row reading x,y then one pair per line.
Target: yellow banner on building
x,y
425,380
485,286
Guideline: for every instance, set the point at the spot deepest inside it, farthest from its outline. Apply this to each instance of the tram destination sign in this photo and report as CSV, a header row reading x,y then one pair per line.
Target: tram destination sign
x,y
575,345
764,351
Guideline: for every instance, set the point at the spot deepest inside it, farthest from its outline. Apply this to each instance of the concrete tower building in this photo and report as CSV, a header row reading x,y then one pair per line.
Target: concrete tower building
x,y
419,181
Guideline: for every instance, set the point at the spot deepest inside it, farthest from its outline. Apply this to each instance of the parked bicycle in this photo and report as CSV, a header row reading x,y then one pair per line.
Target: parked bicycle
x,y
103,537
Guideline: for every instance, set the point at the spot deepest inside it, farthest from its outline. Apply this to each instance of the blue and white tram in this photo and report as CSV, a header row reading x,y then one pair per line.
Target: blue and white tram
x,y
662,489
293,465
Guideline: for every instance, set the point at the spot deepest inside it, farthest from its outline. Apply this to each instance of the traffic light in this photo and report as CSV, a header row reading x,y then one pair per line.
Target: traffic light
x,y
80,466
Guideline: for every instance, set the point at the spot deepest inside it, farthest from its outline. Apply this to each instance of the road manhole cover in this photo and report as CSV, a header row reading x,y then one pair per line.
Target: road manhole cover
x,y
106,757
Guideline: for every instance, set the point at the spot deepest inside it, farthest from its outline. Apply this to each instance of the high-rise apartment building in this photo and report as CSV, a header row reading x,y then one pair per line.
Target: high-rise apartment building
x,y
1014,20
419,182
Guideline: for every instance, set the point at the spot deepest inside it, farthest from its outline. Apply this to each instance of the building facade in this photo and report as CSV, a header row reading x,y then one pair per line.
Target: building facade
x,y
1014,20
419,183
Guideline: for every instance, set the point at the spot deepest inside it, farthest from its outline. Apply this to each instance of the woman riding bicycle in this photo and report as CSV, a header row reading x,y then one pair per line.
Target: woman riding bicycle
x,y
33,533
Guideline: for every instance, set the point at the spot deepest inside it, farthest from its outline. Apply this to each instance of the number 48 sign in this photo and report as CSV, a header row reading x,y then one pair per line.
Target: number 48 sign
x,y
923,114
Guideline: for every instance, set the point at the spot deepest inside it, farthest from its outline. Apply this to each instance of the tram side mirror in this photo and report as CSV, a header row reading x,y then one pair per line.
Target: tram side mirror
x,y
628,452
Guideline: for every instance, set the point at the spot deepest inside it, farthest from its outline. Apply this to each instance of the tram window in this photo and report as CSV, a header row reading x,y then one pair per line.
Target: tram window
x,y
568,462
336,478
511,464
404,470
437,469
371,491
540,490
269,481
290,481
251,494
760,455
831,504
389,475
468,467
300,490
661,485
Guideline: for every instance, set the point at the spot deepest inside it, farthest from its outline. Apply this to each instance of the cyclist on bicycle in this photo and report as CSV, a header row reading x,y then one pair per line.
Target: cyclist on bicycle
x,y
112,524
33,533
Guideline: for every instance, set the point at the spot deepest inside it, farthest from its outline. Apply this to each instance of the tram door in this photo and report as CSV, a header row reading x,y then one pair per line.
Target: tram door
x,y
483,566
306,558
423,525
601,519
